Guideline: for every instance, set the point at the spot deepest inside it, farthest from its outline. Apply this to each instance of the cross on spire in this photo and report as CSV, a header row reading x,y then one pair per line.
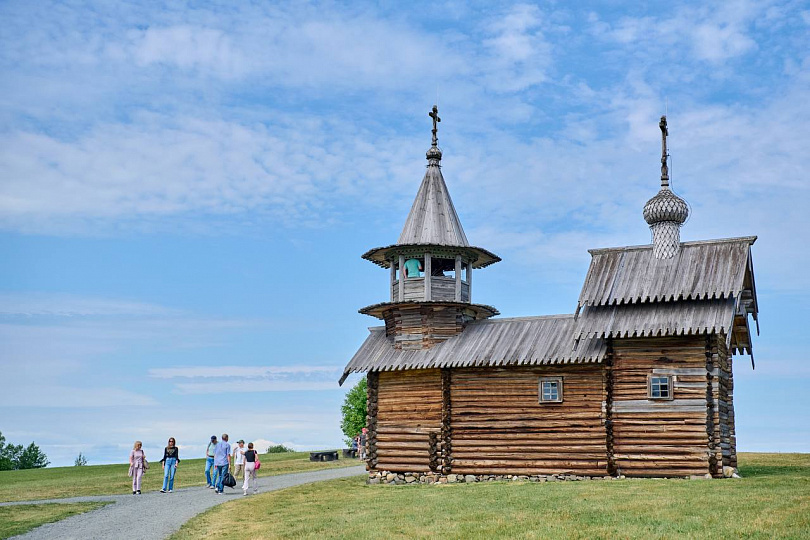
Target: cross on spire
x,y
664,169
435,115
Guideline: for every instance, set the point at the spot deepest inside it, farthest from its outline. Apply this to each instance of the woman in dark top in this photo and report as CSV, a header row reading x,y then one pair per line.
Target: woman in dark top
x,y
171,457
251,459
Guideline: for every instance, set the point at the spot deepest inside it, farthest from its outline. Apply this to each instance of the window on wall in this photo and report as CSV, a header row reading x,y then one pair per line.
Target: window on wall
x,y
660,387
551,390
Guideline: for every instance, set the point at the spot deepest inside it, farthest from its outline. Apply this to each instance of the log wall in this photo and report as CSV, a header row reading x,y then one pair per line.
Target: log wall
x,y
409,410
662,437
500,427
420,327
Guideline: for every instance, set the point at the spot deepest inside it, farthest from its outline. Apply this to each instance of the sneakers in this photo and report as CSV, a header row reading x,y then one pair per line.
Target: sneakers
x,y
133,493
169,491
139,492
163,491
210,487
244,492
218,492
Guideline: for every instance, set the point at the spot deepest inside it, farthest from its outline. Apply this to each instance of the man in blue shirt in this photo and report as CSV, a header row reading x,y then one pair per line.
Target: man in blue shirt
x,y
222,461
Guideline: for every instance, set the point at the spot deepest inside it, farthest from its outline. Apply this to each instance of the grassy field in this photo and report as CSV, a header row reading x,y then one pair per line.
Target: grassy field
x,y
61,482
772,500
16,520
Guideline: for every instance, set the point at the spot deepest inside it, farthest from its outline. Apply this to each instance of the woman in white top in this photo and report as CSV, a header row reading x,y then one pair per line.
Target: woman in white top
x,y
137,464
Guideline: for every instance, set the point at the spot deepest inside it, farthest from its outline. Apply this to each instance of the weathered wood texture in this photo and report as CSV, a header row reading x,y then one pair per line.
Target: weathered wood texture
x,y
419,327
725,404
372,393
700,270
661,437
409,410
500,427
443,288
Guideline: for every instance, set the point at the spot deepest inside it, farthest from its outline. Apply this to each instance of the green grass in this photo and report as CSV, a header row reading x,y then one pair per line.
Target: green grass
x,y
772,500
16,520
61,482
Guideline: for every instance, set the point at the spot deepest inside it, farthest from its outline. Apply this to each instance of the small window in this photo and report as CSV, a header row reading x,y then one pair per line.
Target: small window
x,y
551,390
660,387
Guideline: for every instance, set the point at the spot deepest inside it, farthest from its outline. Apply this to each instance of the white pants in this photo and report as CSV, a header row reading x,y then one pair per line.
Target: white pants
x,y
250,477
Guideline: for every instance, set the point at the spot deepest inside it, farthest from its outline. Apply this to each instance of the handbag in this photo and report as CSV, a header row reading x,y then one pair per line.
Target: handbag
x,y
229,480
258,464
145,463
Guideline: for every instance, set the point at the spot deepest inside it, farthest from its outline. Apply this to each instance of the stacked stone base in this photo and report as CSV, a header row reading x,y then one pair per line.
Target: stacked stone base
x,y
388,477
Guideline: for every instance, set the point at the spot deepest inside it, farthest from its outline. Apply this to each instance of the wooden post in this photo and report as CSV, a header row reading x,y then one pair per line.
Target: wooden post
x,y
393,279
372,380
427,277
469,281
712,442
447,438
401,278
458,278
611,458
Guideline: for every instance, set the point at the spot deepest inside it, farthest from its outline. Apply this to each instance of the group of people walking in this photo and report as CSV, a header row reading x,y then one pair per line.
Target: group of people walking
x,y
219,454
218,458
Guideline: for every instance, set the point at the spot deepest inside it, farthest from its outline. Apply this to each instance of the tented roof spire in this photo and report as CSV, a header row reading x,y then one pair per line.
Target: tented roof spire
x,y
433,218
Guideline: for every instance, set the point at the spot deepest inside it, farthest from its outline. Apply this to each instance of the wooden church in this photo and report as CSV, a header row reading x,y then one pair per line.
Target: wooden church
x,y
638,381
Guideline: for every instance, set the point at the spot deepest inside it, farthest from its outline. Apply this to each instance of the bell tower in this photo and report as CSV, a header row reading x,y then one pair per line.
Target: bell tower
x,y
430,267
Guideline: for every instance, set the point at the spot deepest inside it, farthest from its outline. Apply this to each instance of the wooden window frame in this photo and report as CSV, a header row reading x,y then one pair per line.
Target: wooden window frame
x,y
559,381
670,387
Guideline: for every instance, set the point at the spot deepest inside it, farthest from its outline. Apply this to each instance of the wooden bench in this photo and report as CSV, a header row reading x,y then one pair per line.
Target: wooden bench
x,y
327,455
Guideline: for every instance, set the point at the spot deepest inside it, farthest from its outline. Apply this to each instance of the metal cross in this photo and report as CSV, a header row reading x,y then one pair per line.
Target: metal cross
x,y
664,169
435,115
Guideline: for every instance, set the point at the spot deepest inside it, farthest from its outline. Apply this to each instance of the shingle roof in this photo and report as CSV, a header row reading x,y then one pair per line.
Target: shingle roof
x,y
657,319
493,342
701,270
433,218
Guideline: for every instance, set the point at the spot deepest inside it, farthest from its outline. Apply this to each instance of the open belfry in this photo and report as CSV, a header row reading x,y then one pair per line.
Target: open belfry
x,y
637,381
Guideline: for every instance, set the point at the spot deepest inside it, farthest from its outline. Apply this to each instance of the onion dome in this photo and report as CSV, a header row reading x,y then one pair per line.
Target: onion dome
x,y
666,212
666,206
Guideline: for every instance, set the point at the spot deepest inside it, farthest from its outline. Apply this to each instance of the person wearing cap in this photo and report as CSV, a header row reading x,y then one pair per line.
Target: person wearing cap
x,y
239,458
209,462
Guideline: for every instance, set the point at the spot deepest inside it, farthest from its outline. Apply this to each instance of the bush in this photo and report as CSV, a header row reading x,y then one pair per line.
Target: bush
x,y
81,461
278,449
354,411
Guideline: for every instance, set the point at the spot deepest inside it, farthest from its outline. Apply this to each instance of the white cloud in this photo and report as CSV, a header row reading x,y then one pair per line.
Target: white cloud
x,y
238,371
242,379
25,394
189,47
67,305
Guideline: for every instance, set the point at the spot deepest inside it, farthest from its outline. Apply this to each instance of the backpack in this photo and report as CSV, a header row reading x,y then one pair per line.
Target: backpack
x,y
229,480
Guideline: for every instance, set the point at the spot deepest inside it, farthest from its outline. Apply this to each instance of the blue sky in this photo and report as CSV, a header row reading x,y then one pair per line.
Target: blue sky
x,y
186,190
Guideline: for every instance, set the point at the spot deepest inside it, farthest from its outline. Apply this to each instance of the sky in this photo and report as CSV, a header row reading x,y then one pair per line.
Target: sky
x,y
186,189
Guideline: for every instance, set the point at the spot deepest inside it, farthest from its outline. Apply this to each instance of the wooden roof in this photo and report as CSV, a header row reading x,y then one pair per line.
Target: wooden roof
x,y
493,342
701,270
657,319
433,218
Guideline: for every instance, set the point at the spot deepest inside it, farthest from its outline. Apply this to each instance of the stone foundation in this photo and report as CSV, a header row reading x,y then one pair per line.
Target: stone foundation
x,y
387,477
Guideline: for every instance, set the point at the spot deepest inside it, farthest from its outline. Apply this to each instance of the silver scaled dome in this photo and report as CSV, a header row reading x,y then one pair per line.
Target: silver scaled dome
x,y
666,206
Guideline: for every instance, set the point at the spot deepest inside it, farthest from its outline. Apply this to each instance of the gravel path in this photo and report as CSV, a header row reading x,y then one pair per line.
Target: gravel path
x,y
157,515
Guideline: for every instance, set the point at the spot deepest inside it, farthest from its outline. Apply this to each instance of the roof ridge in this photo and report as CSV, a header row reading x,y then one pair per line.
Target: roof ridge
x,y
749,239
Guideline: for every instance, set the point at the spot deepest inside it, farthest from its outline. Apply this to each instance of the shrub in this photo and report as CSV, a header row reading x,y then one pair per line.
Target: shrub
x,y
278,449
81,461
